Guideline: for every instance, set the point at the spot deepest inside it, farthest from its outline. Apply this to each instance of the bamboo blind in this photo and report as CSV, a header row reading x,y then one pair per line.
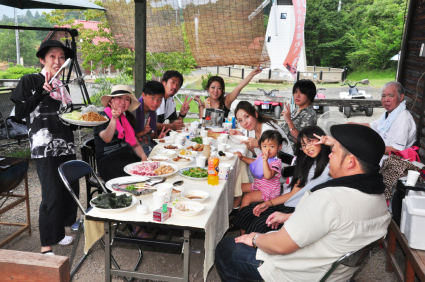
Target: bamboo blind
x,y
219,32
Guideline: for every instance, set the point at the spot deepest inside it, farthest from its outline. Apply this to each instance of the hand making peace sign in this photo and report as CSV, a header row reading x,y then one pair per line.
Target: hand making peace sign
x,y
185,107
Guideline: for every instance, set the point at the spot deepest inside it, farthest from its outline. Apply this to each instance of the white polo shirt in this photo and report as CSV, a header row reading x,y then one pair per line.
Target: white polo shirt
x,y
402,133
326,225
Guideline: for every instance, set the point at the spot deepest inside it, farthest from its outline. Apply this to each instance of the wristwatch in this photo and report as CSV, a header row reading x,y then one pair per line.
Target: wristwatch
x,y
253,241
180,115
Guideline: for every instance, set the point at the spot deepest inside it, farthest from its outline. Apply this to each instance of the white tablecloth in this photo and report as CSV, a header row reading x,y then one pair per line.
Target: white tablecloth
x,y
214,219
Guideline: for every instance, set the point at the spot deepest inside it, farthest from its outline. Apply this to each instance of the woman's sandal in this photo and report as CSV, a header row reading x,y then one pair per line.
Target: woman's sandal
x,y
66,241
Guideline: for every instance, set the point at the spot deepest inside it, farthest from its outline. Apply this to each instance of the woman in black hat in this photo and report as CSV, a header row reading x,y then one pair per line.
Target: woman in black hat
x,y
51,141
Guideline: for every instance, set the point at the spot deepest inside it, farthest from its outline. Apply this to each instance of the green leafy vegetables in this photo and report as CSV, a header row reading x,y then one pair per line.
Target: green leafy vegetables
x,y
196,172
197,140
131,188
112,201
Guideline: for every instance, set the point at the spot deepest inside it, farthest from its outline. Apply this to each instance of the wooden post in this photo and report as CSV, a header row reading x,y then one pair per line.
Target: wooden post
x,y
391,249
229,71
298,75
321,75
243,73
217,69
140,46
270,73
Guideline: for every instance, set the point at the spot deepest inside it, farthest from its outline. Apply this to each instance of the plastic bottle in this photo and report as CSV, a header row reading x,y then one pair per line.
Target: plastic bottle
x,y
213,169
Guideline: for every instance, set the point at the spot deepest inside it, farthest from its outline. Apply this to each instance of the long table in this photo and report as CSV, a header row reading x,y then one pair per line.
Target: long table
x,y
213,220
415,259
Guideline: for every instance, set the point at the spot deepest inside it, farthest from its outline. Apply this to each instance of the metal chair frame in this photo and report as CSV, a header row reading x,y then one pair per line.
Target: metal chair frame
x,y
352,259
80,169
88,155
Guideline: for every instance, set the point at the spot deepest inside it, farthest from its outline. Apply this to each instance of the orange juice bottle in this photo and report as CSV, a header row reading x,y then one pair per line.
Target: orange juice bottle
x,y
213,170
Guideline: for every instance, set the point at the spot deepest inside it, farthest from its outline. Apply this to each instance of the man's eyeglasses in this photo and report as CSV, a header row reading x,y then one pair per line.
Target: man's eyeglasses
x,y
309,143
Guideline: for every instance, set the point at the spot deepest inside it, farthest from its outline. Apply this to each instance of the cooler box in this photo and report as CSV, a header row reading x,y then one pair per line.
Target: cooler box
x,y
412,223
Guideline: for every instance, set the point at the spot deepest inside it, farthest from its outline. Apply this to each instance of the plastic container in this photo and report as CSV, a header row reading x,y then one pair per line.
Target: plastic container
x,y
412,223
213,162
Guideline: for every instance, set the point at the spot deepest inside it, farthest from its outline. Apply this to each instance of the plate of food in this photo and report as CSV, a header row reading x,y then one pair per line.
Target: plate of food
x,y
225,156
195,195
197,140
88,119
151,169
165,152
238,138
196,148
125,180
112,203
182,160
217,129
188,208
187,153
194,173
164,141
174,147
158,159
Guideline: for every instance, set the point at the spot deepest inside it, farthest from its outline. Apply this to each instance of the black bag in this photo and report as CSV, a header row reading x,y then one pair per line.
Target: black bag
x,y
398,197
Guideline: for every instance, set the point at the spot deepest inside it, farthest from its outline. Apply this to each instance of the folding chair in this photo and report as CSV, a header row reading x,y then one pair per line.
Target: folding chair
x,y
89,156
352,259
71,172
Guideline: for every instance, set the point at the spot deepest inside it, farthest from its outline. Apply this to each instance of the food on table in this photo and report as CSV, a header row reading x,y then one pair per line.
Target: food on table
x,y
195,197
162,141
197,140
179,131
156,160
182,151
180,159
145,168
112,201
170,147
196,172
184,209
197,147
135,187
90,116
175,191
221,154
164,169
213,134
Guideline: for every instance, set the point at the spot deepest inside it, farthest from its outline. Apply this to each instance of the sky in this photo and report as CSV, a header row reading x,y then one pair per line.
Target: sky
x,y
8,11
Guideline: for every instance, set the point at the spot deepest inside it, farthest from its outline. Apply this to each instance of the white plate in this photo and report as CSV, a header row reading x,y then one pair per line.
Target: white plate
x,y
193,178
124,179
159,158
83,123
238,138
194,206
228,156
133,202
215,129
166,141
165,152
196,193
129,167
182,162
192,154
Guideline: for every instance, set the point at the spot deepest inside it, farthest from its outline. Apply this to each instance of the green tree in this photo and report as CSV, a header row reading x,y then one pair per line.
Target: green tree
x,y
27,45
377,37
41,22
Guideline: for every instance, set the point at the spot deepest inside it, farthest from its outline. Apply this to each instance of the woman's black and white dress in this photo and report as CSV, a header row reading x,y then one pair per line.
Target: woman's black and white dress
x,y
51,143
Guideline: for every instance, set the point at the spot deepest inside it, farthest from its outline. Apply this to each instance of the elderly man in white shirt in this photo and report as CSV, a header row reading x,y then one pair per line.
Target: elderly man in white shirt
x,y
396,126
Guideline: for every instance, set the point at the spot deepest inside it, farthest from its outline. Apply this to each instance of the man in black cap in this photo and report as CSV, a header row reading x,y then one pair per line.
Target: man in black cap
x,y
334,218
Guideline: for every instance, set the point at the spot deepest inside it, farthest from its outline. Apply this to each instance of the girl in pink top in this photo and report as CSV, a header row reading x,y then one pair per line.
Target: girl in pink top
x,y
266,170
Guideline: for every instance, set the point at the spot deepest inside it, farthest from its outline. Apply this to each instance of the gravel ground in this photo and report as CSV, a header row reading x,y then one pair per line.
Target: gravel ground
x,y
373,269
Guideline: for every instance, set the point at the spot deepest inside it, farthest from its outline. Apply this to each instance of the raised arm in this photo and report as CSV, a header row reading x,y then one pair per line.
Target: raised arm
x,y
234,94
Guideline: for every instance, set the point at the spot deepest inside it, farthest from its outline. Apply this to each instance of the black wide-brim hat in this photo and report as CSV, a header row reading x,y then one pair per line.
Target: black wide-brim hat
x,y
44,47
